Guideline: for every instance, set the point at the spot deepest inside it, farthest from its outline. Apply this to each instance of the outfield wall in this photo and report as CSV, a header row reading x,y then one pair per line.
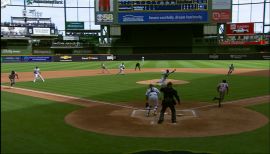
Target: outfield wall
x,y
107,57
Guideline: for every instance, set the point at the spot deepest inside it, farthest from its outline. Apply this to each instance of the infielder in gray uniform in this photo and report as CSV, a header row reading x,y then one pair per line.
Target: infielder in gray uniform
x,y
222,88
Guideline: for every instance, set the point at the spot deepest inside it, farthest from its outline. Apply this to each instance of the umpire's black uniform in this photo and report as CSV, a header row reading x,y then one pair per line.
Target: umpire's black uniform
x,y
138,65
168,101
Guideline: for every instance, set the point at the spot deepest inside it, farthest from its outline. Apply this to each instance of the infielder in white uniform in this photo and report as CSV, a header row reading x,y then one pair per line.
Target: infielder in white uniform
x,y
164,77
104,68
37,74
152,95
121,69
222,88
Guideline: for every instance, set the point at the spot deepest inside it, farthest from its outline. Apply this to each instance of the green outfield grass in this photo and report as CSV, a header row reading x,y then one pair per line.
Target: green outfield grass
x,y
51,66
31,125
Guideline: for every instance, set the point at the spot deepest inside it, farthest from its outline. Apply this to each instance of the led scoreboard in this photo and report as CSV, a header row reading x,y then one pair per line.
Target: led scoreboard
x,y
162,5
162,11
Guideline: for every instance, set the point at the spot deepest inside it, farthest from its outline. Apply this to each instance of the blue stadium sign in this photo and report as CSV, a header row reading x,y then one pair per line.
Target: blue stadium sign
x,y
164,17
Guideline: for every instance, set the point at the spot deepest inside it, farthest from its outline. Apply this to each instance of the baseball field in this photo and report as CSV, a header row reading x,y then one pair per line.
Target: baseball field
x,y
79,109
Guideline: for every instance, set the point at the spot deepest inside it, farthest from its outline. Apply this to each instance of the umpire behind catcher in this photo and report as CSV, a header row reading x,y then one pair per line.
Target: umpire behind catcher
x,y
168,101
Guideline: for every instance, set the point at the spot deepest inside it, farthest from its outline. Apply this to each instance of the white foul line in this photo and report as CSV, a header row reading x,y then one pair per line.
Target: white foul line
x,y
71,97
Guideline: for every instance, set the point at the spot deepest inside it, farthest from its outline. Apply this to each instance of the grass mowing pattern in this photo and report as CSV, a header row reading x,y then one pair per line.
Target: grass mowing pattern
x,y
123,88
31,125
53,66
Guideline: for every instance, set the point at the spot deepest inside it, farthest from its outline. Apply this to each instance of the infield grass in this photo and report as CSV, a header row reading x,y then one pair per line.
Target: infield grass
x,y
123,88
32,125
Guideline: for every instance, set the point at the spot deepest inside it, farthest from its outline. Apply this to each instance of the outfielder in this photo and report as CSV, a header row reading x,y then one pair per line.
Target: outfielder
x,y
165,75
12,76
37,74
121,69
222,88
152,95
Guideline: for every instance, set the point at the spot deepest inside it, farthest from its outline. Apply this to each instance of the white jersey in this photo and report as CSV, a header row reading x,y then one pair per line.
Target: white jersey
x,y
223,87
36,71
152,92
122,66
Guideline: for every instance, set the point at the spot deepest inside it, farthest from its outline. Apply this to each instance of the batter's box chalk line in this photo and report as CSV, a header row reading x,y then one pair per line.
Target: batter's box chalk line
x,y
181,114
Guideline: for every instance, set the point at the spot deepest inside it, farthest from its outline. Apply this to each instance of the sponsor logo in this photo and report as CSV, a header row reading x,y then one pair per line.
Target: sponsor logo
x,y
266,57
108,17
133,18
89,58
238,56
65,58
110,57
213,56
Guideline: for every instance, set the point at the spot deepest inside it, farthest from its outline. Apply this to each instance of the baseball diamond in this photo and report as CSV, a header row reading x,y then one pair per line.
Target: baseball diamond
x,y
110,116
135,76
206,120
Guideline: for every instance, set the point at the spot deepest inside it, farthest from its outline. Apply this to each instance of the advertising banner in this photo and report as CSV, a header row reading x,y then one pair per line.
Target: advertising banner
x,y
169,17
48,1
36,58
41,31
240,29
221,16
74,25
10,59
104,11
80,58
40,51
13,31
10,51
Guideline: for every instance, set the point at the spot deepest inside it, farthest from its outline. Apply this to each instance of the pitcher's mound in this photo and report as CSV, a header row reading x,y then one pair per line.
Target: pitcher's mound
x,y
155,81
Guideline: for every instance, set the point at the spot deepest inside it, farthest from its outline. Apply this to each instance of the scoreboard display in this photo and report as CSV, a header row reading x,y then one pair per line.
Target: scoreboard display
x,y
162,11
132,12
162,5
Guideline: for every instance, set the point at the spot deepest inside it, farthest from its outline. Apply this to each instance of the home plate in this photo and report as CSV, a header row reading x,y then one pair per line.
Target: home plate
x,y
152,119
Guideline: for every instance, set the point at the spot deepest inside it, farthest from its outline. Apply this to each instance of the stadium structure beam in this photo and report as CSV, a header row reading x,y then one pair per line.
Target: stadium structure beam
x,y
264,10
65,14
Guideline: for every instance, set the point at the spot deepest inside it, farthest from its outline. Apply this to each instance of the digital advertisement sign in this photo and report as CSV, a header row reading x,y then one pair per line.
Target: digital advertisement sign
x,y
221,11
104,11
162,5
240,29
162,11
